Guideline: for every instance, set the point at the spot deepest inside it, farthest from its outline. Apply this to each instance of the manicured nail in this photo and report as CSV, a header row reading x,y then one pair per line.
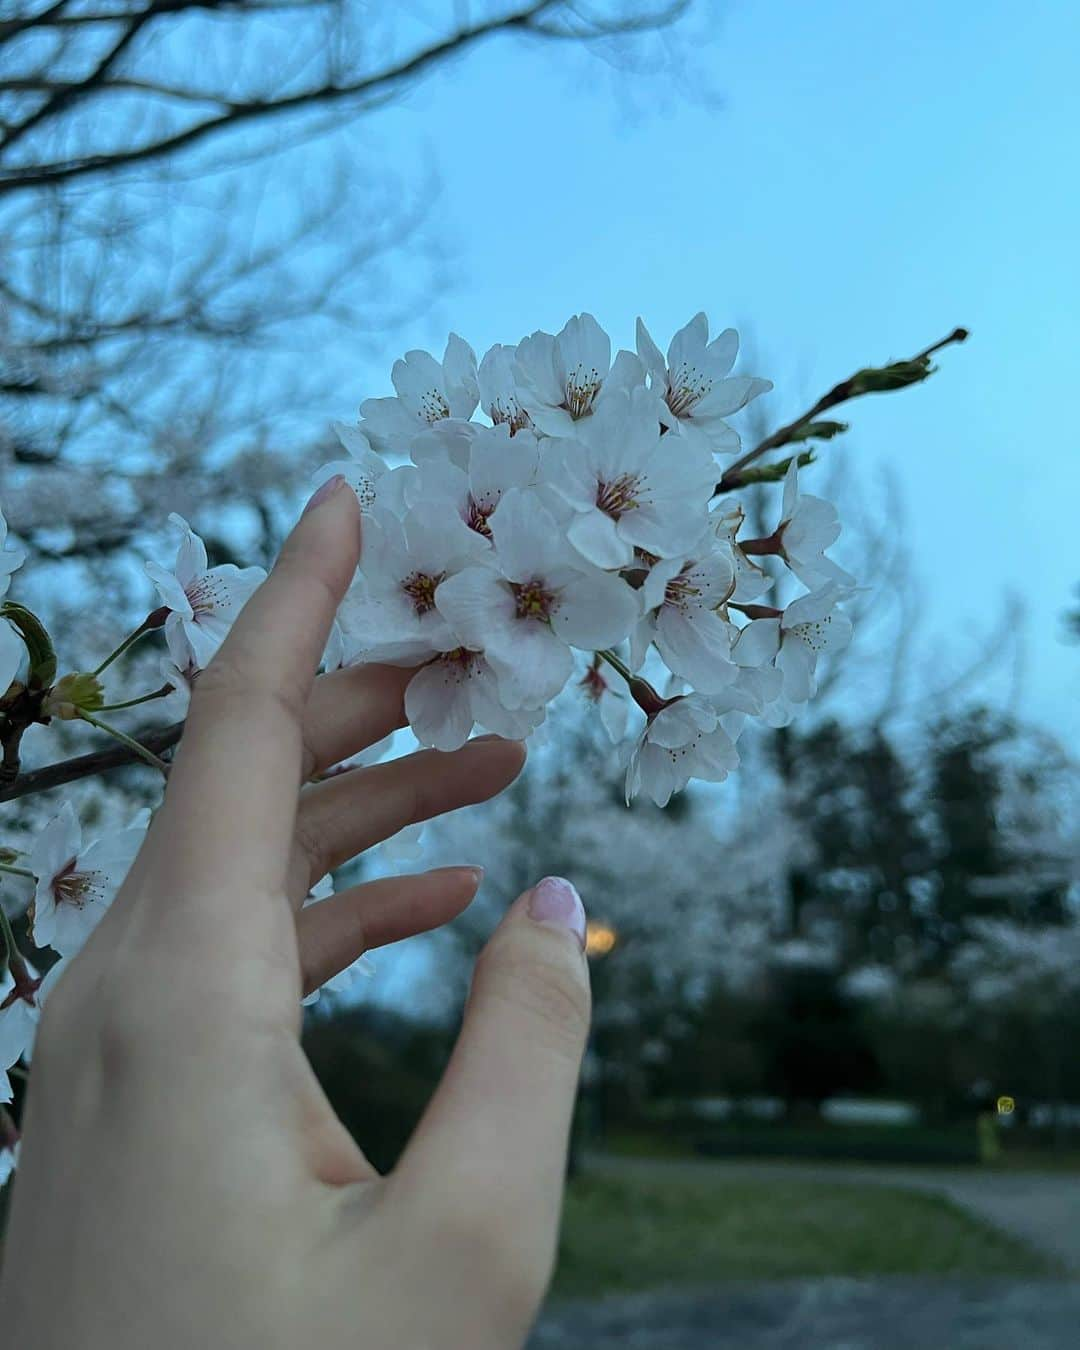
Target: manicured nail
x,y
474,872
324,493
555,901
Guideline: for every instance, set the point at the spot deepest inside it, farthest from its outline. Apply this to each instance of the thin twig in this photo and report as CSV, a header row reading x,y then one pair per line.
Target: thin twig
x,y
839,393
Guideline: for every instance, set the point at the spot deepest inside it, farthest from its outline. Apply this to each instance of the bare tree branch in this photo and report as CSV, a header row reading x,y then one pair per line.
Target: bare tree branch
x,y
90,765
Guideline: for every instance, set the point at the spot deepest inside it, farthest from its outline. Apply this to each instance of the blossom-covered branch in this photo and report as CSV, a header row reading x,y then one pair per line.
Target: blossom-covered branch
x,y
870,380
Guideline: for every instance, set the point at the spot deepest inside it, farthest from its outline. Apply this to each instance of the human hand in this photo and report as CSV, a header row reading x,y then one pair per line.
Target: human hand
x,y
184,1182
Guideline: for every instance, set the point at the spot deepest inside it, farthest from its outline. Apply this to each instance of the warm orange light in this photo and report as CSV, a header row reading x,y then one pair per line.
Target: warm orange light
x,y
600,938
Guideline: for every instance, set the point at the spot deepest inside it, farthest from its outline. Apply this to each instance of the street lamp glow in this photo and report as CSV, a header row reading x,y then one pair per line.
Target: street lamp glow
x,y
600,938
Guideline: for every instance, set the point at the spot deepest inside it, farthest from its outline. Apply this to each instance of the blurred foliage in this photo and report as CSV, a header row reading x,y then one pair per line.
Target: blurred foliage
x,y
905,852
379,1069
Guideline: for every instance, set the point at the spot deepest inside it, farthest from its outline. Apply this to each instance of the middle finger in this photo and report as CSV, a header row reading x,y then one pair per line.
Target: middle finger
x,y
345,815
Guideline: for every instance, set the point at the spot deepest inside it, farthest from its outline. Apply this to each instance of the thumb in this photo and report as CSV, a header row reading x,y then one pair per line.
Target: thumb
x,y
493,1142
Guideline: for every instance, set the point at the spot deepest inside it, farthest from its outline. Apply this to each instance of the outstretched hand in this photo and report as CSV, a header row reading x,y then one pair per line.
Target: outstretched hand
x,y
184,1181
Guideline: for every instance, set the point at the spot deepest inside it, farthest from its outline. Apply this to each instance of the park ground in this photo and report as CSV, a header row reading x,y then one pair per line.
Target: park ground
x,y
681,1254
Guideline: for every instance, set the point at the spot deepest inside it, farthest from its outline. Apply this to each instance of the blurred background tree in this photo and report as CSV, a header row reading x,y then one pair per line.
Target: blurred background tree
x,y
193,199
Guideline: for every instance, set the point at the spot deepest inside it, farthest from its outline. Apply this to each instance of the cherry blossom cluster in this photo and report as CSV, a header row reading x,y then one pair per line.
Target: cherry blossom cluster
x,y
549,514
543,517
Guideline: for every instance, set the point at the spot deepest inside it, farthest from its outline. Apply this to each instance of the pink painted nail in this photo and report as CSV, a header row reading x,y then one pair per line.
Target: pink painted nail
x,y
555,901
324,493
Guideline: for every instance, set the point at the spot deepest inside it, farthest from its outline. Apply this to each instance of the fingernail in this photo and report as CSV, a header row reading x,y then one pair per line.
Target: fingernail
x,y
324,493
555,901
475,872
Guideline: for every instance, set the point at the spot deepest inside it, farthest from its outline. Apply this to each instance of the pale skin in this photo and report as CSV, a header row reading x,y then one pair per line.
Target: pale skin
x,y
183,1179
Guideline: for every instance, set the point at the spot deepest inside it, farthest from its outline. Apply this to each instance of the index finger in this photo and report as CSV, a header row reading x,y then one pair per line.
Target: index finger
x,y
232,795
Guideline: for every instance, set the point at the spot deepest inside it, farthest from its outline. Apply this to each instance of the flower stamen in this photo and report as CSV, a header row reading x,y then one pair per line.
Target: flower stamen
x,y
619,495
532,599
582,386
420,588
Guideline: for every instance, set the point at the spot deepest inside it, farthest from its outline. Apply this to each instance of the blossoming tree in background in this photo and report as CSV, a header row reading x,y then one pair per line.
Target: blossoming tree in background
x,y
546,515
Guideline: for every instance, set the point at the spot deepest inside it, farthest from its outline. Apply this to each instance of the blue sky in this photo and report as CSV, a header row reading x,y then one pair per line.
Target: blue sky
x,y
869,178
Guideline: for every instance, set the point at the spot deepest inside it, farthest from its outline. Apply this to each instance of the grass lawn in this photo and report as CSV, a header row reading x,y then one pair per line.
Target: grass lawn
x,y
632,1233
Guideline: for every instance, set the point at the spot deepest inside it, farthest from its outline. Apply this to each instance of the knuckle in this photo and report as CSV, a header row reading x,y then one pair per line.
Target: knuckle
x,y
545,983
231,682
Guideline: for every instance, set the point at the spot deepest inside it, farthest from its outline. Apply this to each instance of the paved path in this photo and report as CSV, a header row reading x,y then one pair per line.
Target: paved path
x,y
831,1314
1042,1208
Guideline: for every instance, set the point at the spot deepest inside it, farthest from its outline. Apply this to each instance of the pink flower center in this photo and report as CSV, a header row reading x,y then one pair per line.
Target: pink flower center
x,y
420,588
205,594
476,515
71,887
618,496
686,387
533,600
679,591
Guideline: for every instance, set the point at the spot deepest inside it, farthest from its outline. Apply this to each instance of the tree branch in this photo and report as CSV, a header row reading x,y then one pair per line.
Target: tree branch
x,y
89,765
913,370
375,89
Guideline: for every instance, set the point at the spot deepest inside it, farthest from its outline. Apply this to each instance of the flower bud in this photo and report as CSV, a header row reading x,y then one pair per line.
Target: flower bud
x,y
73,695
773,473
817,431
882,379
38,643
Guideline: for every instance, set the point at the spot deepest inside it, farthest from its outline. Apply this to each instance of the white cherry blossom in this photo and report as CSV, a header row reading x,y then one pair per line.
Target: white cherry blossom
x,y
499,394
793,641
613,707
496,462
532,602
75,885
694,384
684,740
368,474
683,600
12,647
203,601
629,487
427,391
11,558
390,615
454,692
807,527
751,581
179,670
20,1010
24,1009
563,379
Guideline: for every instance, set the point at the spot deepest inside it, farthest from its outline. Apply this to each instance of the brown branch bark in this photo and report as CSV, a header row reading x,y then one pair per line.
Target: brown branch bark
x,y
88,765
